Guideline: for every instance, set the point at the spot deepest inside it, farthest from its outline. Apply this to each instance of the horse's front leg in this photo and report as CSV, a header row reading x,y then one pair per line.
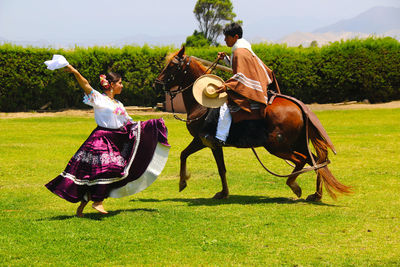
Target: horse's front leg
x,y
219,158
193,147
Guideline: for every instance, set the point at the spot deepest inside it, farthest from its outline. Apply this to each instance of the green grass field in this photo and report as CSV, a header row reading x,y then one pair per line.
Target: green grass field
x,y
261,224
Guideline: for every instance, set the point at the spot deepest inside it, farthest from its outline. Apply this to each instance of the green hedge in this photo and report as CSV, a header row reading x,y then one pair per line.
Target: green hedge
x,y
342,71
26,83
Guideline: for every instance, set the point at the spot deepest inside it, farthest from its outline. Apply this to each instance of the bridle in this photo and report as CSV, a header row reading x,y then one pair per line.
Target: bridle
x,y
182,64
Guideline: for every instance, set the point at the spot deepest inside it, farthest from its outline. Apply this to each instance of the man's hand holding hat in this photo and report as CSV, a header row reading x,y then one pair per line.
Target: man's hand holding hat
x,y
221,89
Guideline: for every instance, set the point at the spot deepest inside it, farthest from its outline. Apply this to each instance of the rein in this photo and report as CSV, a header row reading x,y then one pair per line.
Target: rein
x,y
180,90
313,168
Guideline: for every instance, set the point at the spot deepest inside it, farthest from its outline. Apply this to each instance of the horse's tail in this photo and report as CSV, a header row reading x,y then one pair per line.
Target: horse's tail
x,y
321,148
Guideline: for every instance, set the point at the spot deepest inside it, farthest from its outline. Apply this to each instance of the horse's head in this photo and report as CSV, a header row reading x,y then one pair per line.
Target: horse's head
x,y
181,71
172,74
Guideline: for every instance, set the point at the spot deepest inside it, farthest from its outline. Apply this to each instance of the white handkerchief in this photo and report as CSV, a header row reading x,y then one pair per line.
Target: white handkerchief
x,y
57,62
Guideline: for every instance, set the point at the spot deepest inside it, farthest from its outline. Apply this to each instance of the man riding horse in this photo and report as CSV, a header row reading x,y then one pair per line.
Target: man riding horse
x,y
284,127
246,89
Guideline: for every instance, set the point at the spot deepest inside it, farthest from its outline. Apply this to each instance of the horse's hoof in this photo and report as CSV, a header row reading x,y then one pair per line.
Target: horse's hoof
x,y
182,185
221,195
297,192
296,189
314,197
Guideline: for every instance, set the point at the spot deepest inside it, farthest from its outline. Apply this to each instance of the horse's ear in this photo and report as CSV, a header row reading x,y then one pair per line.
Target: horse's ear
x,y
181,52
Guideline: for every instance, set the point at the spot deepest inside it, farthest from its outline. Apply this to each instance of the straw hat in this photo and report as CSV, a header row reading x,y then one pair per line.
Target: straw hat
x,y
204,91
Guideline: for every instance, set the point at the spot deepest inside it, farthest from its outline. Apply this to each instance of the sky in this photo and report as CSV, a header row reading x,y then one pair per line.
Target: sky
x,y
86,21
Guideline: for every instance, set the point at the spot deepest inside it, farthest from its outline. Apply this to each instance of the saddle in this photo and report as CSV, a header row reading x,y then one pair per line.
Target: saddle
x,y
253,133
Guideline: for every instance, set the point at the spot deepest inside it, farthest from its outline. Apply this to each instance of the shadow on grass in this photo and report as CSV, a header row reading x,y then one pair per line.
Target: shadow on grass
x,y
95,215
236,199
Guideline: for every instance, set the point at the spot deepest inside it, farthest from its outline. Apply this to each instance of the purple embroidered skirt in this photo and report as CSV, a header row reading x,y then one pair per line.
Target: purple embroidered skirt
x,y
114,162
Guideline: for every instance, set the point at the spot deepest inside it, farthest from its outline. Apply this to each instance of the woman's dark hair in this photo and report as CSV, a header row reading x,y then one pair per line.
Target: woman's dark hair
x,y
233,29
111,77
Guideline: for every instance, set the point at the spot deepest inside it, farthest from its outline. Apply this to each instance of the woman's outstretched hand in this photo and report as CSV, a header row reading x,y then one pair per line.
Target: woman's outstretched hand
x,y
81,80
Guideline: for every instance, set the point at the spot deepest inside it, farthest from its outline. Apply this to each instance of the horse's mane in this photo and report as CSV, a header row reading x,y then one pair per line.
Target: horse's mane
x,y
170,56
201,66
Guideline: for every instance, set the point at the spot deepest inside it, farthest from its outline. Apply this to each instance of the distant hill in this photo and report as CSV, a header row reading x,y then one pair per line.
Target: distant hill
x,y
305,38
377,20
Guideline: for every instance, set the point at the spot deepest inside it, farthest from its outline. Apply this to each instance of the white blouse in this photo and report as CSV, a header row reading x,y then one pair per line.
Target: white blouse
x,y
108,113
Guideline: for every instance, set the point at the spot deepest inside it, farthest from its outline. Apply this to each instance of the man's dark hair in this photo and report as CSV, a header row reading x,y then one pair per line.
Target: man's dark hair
x,y
233,29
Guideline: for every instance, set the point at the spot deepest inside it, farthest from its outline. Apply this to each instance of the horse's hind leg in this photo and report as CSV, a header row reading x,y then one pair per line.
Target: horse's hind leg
x,y
299,160
193,147
318,193
219,158
317,196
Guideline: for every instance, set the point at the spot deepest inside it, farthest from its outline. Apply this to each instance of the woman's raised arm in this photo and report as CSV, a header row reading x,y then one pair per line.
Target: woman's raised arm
x,y
81,80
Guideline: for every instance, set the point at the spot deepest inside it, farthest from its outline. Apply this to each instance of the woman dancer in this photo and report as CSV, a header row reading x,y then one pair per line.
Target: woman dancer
x,y
120,157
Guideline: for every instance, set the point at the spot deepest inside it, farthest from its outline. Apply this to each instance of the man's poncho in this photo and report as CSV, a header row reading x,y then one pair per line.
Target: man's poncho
x,y
247,88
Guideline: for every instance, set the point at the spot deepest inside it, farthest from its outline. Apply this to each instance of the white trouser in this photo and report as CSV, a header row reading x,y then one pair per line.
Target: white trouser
x,y
224,123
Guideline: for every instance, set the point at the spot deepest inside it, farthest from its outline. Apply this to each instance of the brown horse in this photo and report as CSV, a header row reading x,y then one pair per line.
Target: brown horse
x,y
284,136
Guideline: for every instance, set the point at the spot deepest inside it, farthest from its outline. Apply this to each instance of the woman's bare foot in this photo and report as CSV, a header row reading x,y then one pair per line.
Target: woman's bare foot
x,y
99,207
79,210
